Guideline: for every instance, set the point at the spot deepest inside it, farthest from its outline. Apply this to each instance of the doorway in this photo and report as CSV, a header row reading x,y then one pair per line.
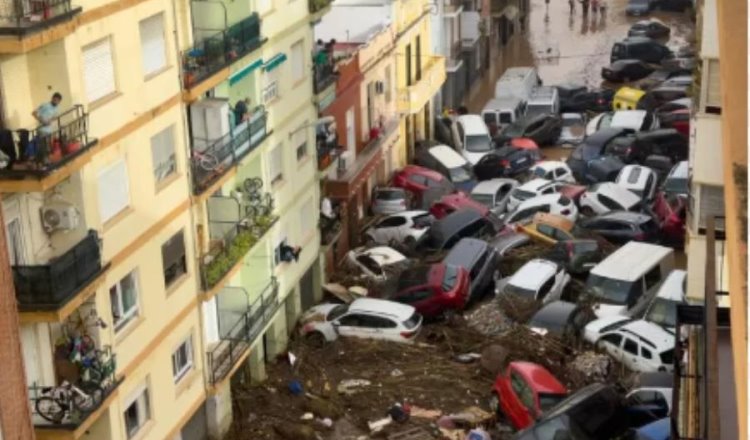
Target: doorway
x,y
307,289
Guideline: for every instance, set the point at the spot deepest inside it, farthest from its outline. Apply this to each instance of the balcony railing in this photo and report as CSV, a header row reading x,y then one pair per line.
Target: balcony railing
x,y
238,338
215,160
37,153
18,17
325,75
212,54
52,285
317,5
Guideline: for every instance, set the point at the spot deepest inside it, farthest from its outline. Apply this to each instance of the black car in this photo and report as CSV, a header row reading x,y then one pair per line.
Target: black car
x,y
592,148
640,48
623,226
635,148
567,91
462,223
649,28
578,256
544,129
626,71
562,319
594,101
479,259
504,162
673,5
661,75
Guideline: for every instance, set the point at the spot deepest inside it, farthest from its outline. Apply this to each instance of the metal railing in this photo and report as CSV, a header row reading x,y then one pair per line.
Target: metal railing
x,y
49,286
317,5
324,75
38,152
212,54
238,338
209,164
18,16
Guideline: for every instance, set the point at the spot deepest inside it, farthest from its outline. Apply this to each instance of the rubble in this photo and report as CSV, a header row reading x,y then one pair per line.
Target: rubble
x,y
488,318
594,366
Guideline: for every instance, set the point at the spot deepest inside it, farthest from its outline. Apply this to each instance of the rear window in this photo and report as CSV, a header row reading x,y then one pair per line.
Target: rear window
x,y
634,175
390,194
663,312
485,199
489,118
413,321
506,117
450,278
667,357
676,185
413,277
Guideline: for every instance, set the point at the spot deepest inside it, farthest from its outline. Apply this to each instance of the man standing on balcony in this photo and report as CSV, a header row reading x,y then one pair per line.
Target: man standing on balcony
x,y
241,111
45,113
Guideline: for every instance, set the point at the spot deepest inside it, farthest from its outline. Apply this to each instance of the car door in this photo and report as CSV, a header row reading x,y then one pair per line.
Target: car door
x,y
630,356
354,325
384,328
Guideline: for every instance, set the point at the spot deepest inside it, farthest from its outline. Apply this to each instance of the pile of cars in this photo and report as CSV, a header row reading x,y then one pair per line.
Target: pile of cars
x,y
608,217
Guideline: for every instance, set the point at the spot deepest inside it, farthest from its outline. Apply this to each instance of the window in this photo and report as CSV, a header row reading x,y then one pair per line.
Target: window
x,y
173,258
114,192
418,57
478,265
418,179
631,346
182,359
353,320
612,338
276,164
609,203
713,90
711,204
387,83
270,91
301,151
298,61
653,277
392,222
153,47
545,289
123,297
98,70
137,413
306,218
522,390
407,60
163,156
646,353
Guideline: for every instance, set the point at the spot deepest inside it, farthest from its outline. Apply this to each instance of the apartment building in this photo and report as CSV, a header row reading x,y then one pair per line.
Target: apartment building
x,y
147,214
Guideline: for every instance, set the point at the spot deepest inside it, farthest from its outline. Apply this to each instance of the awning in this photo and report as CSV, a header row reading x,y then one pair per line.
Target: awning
x,y
274,62
245,71
510,12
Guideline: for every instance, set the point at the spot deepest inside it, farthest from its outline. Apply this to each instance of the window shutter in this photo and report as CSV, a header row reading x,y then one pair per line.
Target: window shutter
x,y
152,44
98,71
162,153
114,192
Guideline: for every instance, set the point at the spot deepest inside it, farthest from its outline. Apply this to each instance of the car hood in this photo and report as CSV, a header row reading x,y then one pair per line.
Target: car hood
x,y
317,313
607,310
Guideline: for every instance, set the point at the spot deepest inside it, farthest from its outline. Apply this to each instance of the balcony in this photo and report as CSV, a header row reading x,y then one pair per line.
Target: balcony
x,y
234,229
61,285
324,76
318,8
326,145
210,56
21,18
412,99
92,374
242,325
39,159
209,164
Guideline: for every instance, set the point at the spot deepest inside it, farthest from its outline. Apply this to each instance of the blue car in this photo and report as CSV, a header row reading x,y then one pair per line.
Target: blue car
x,y
590,151
658,430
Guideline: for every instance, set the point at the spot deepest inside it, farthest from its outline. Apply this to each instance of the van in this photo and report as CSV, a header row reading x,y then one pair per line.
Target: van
x,y
542,100
501,112
639,48
620,280
447,162
517,82
471,138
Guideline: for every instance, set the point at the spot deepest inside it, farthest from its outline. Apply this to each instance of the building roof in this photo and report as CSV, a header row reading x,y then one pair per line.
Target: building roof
x,y
352,23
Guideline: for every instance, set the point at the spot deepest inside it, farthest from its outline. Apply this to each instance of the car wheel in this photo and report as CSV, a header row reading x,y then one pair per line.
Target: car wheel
x,y
587,211
494,402
315,339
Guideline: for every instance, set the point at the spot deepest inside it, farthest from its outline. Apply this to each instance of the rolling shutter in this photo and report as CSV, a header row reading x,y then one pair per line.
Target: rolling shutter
x,y
153,51
114,192
98,71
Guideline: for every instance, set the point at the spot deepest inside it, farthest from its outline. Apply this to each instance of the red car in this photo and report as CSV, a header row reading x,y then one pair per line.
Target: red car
x,y
417,180
433,290
677,119
527,144
524,392
670,211
453,202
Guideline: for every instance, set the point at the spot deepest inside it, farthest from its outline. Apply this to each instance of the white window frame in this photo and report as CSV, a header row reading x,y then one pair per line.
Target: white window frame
x,y
126,316
159,140
179,373
297,52
108,72
276,175
105,194
141,397
160,52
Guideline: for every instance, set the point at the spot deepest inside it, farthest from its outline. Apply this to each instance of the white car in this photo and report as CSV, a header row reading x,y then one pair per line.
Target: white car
x,y
402,227
640,180
602,198
538,279
636,120
529,190
652,389
494,193
573,129
662,310
374,262
640,345
553,170
363,318
556,204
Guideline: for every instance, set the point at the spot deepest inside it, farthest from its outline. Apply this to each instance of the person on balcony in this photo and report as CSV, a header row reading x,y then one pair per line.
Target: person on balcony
x,y
45,114
241,111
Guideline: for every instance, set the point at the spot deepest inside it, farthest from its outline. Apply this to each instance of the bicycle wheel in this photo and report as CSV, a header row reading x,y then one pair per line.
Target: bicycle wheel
x,y
208,162
255,198
250,211
87,396
253,184
50,409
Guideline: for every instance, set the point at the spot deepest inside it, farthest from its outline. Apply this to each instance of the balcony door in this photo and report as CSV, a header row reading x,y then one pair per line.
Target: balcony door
x,y
14,233
210,322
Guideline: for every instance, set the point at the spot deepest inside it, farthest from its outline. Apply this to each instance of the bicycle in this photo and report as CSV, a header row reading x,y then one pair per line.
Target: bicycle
x,y
206,161
57,402
76,342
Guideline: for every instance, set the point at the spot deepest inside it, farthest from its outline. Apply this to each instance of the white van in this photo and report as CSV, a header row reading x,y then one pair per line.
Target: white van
x,y
471,137
501,112
543,99
518,82
620,280
452,165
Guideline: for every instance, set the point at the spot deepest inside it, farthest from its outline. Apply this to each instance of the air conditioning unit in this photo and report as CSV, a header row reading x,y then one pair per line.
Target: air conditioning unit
x,y
59,216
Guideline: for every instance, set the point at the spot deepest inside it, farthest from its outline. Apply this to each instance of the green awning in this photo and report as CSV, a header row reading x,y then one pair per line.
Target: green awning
x,y
245,71
274,62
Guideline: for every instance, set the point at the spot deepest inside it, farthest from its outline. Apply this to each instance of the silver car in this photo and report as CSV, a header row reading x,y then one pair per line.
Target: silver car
x,y
389,200
494,193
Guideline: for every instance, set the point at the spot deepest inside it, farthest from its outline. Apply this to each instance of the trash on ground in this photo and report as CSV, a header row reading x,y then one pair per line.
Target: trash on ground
x,y
350,386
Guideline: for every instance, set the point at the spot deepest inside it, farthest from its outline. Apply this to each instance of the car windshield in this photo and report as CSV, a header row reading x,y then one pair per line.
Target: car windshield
x,y
484,199
337,311
539,172
522,195
478,143
413,277
389,194
605,121
459,174
572,121
610,290
520,291
639,2
450,277
547,401
676,185
663,312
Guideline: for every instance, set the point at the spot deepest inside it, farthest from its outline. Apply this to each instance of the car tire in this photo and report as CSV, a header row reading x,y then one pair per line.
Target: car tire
x,y
315,339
